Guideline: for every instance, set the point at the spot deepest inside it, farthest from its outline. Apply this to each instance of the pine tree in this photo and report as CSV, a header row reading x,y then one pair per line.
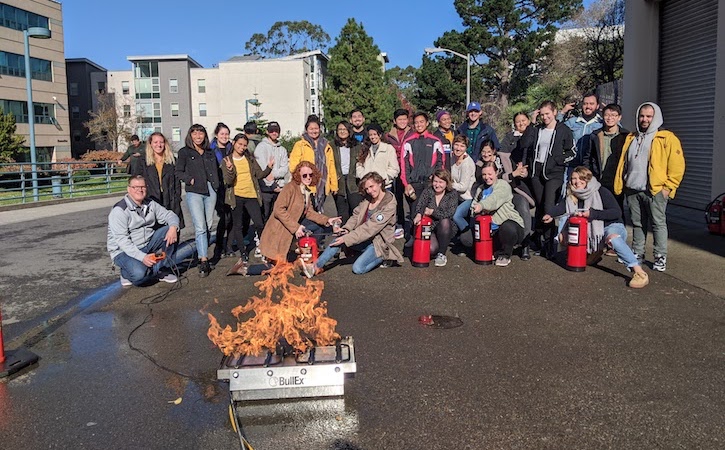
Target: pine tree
x,y
355,79
11,145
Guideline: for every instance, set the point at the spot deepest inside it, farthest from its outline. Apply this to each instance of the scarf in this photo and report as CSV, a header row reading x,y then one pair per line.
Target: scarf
x,y
321,163
592,200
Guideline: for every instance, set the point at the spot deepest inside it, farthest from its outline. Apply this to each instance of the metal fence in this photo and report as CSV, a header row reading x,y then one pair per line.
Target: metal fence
x,y
60,180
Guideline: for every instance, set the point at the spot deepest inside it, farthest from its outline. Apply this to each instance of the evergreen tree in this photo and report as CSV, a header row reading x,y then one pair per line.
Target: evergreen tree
x,y
11,145
355,79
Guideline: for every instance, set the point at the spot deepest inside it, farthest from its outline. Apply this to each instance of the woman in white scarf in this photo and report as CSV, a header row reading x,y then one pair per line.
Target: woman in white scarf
x,y
587,198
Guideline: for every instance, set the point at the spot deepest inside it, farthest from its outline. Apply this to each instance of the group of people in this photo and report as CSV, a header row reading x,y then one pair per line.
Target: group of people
x,y
547,167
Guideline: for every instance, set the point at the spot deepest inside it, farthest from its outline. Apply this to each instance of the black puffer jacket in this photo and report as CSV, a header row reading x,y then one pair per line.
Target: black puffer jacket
x,y
195,170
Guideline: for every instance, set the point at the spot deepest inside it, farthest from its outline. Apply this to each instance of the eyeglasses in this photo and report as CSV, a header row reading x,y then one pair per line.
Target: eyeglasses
x,y
306,175
138,188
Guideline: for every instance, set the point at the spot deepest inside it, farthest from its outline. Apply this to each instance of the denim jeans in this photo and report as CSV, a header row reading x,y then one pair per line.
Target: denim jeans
x,y
619,243
201,208
364,263
646,209
136,271
462,213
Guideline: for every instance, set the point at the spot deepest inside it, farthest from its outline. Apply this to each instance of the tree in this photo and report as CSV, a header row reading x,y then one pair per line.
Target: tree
x,y
11,145
355,78
403,81
108,124
508,38
288,38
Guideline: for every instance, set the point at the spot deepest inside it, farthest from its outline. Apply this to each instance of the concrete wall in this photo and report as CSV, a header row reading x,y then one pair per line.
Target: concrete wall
x,y
14,88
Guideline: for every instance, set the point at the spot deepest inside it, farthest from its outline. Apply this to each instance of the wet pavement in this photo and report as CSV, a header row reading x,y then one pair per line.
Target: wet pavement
x,y
545,359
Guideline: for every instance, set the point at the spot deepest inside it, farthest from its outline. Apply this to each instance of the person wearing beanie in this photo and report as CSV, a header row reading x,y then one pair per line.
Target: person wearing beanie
x,y
445,133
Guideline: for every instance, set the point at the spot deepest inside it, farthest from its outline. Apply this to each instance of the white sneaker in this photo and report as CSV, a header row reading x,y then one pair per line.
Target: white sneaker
x,y
125,282
503,261
257,253
399,233
169,278
440,260
660,263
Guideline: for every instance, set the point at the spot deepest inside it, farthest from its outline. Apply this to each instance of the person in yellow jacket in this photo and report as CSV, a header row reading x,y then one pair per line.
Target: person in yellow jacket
x,y
315,149
649,172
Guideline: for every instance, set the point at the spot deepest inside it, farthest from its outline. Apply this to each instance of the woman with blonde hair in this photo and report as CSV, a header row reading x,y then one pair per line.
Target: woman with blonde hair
x,y
162,185
586,197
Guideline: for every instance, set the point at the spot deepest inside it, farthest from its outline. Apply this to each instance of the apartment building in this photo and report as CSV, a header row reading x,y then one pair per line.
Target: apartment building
x,y
48,75
87,82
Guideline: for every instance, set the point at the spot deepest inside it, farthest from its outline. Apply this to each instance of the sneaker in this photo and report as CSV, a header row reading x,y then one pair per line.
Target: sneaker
x,y
399,233
441,260
204,269
639,280
125,282
257,253
525,253
168,278
503,261
640,259
660,263
610,252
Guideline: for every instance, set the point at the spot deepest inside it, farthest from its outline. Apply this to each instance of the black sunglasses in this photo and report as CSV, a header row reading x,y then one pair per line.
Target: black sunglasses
x,y
306,175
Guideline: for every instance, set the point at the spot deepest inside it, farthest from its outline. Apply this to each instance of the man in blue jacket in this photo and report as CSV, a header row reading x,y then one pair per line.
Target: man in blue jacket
x,y
476,131
138,228
582,126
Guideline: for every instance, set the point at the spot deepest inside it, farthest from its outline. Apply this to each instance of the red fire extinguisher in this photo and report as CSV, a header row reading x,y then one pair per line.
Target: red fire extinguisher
x,y
483,242
715,215
308,249
421,245
576,256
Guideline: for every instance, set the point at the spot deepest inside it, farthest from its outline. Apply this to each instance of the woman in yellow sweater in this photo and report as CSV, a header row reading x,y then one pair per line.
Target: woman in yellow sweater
x,y
241,177
315,149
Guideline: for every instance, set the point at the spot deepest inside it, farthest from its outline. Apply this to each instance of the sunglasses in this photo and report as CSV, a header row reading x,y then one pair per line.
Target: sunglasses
x,y
306,175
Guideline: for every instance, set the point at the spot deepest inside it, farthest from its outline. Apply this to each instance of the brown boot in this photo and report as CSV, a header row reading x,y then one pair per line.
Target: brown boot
x,y
639,280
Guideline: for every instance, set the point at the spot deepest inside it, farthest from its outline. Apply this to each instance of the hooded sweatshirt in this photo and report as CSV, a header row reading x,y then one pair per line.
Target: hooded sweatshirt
x,y
636,175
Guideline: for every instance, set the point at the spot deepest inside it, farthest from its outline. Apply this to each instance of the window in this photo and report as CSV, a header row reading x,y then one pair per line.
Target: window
x,y
75,112
146,79
201,84
125,87
146,69
202,109
14,65
101,87
176,134
20,19
73,90
174,110
173,85
149,112
126,110
312,91
44,112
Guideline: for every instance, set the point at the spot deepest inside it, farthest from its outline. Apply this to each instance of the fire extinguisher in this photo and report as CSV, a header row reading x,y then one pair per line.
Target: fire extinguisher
x,y
482,240
715,215
308,249
421,245
576,256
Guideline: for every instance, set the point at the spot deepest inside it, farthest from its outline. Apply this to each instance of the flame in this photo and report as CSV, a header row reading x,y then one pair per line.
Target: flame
x,y
299,317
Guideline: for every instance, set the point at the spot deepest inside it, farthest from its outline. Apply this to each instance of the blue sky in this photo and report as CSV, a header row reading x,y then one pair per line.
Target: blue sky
x,y
106,32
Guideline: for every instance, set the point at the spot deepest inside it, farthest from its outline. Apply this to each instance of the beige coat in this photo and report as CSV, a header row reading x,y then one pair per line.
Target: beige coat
x,y
380,228
288,212
384,163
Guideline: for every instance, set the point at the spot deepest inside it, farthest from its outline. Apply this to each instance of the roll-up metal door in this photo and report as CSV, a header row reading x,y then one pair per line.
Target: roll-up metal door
x,y
687,55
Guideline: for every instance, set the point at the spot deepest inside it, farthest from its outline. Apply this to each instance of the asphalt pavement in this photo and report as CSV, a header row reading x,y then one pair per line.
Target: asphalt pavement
x,y
545,358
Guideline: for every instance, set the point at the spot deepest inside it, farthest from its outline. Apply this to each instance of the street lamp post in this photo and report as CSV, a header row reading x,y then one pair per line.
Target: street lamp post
x,y
467,57
40,33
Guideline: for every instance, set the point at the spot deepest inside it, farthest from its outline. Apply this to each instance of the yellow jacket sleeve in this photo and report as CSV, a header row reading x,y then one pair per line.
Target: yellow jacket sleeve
x,y
331,172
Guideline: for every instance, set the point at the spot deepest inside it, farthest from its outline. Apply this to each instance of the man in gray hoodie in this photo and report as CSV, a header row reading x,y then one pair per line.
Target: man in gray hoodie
x,y
271,148
649,172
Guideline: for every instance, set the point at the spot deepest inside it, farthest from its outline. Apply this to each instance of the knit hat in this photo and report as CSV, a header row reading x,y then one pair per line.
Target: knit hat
x,y
440,114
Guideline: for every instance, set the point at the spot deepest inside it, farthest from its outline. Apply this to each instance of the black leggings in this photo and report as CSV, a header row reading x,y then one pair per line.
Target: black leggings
x,y
345,204
224,226
508,234
250,206
546,194
441,237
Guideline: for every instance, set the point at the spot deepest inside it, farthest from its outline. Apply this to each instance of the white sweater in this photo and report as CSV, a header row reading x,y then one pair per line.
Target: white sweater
x,y
464,175
385,162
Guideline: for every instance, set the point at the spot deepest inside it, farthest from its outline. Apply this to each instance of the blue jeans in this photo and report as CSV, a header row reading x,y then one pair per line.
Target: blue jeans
x,y
619,243
201,208
462,213
136,271
366,262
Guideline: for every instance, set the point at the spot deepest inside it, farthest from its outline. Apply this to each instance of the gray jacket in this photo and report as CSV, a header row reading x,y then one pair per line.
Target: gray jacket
x,y
280,171
130,226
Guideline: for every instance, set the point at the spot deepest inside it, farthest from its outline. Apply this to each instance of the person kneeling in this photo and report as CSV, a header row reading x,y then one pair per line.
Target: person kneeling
x,y
138,230
586,197
370,230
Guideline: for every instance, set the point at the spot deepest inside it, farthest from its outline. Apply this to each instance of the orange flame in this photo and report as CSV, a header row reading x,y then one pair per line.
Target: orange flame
x,y
299,317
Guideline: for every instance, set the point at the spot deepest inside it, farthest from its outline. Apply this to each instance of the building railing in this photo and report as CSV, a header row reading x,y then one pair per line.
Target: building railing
x,y
60,180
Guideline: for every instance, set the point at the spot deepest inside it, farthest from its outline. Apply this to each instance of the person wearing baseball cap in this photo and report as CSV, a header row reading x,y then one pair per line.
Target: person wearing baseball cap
x,y
271,147
477,132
